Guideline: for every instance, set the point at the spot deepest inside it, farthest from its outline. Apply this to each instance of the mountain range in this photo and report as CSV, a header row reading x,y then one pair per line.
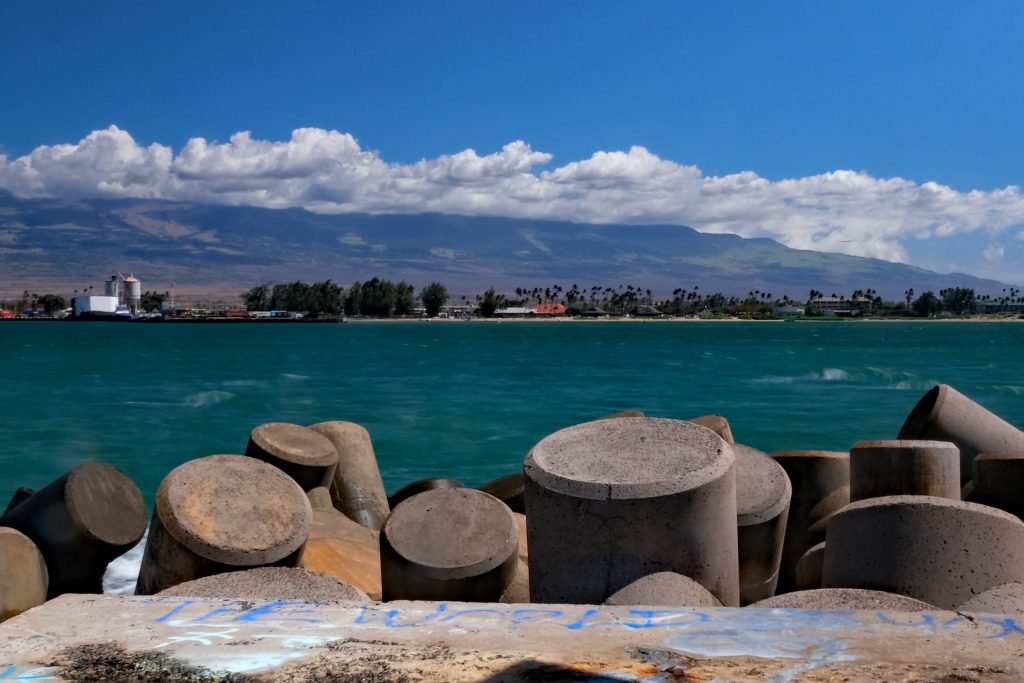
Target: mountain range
x,y
57,245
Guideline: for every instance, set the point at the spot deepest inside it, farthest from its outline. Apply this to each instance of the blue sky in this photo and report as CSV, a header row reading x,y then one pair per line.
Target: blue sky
x,y
726,98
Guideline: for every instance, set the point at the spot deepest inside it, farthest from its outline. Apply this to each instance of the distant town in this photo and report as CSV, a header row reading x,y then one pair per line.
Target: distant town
x,y
122,298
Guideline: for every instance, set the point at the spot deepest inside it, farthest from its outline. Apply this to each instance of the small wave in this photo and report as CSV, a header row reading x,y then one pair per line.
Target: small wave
x,y
123,572
1014,389
914,384
244,383
294,376
204,399
826,375
834,375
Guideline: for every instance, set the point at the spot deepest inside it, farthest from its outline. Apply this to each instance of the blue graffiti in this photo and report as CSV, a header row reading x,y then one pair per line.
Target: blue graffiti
x,y
11,672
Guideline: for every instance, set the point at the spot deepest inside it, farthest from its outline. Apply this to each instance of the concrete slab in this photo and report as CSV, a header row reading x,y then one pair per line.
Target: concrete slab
x,y
78,637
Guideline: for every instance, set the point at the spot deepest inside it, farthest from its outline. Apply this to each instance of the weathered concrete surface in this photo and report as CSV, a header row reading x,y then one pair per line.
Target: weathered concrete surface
x,y
269,583
934,549
809,568
815,477
305,455
664,588
944,414
998,481
23,577
610,501
180,639
763,494
716,423
449,544
1006,598
421,485
509,490
357,488
222,513
80,522
846,598
345,549
904,468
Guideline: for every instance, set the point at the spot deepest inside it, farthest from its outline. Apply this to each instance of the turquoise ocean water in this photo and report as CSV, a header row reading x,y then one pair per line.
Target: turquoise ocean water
x,y
467,399
464,399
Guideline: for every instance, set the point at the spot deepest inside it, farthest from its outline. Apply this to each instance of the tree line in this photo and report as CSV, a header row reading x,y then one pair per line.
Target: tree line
x,y
379,297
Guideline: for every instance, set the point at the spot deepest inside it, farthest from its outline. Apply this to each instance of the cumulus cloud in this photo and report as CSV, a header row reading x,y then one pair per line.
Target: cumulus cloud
x,y
328,171
993,253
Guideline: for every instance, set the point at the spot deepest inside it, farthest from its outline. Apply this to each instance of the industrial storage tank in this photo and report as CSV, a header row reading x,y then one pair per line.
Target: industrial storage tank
x,y
133,294
112,287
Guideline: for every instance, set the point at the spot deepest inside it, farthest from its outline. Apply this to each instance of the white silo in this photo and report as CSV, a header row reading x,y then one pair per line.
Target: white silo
x,y
133,294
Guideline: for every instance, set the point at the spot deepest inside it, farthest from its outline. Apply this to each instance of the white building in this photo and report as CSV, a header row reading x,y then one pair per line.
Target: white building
x,y
95,304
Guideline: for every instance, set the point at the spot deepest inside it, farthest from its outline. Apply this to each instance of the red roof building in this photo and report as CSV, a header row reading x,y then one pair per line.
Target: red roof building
x,y
550,309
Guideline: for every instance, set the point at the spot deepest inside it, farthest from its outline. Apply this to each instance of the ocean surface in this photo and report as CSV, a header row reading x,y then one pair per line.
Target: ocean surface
x,y
466,399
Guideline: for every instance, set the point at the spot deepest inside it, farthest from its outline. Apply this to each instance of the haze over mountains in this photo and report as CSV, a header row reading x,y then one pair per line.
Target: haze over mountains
x,y
60,245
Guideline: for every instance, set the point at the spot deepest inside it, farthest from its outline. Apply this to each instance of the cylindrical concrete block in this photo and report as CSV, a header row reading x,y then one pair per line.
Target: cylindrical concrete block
x,y
345,549
518,590
80,523
357,489
934,549
222,513
845,598
448,544
509,490
270,584
944,414
23,577
20,496
716,423
664,588
611,501
999,481
904,468
421,485
763,493
814,475
823,511
1006,598
809,566
305,455
320,498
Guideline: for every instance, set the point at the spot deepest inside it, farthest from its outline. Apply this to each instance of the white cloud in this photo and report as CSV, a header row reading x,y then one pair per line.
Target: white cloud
x,y
328,171
993,253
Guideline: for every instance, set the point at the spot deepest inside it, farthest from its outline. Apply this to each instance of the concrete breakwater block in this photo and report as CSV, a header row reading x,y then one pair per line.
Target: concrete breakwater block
x,y
518,590
1006,598
716,423
823,511
809,567
357,488
999,481
763,493
944,414
814,476
898,468
933,549
509,490
421,485
846,598
343,548
81,522
448,544
664,588
268,583
305,455
631,412
20,496
611,501
222,513
23,576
